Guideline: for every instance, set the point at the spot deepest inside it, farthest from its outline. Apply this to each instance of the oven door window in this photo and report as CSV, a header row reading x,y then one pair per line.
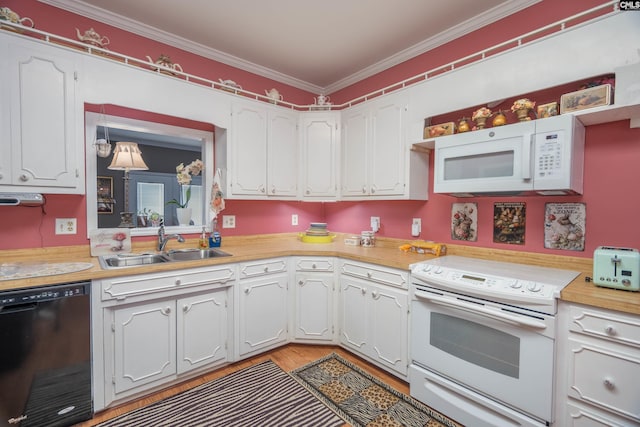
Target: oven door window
x,y
480,345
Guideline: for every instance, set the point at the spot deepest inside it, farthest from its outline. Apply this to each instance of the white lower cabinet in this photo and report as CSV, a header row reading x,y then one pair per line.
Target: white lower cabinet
x,y
262,306
149,330
314,300
374,314
599,367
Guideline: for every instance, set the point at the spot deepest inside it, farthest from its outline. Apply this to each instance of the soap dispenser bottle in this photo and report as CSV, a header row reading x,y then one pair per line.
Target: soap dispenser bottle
x,y
202,243
215,240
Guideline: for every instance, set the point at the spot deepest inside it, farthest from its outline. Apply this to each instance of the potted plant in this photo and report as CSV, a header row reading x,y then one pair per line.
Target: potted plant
x,y
143,217
154,217
183,175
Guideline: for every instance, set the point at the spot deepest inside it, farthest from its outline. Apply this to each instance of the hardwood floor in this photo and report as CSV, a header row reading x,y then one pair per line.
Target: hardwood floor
x,y
288,357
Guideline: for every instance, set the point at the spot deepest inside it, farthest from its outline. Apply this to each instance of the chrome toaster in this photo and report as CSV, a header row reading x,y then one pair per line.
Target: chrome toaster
x,y
617,268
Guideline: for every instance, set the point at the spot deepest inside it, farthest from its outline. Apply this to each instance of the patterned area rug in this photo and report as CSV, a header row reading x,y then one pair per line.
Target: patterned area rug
x,y
362,399
260,395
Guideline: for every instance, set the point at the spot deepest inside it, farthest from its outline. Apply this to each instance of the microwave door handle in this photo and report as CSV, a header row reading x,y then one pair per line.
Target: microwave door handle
x,y
526,155
483,311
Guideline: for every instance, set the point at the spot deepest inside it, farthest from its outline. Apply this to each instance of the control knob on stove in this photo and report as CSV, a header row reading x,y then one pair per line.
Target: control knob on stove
x,y
516,284
534,287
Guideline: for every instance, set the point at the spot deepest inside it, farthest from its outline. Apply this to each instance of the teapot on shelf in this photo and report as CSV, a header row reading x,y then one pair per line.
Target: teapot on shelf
x,y
274,95
165,61
322,100
91,37
7,14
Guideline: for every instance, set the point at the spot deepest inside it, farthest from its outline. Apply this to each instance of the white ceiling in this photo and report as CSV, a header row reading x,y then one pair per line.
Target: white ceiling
x,y
315,45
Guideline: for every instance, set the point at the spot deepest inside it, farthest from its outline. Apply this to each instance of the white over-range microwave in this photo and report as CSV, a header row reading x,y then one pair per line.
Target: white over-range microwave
x,y
544,156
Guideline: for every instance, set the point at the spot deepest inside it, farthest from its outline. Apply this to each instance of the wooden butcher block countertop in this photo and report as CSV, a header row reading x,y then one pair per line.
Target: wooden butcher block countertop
x,y
251,248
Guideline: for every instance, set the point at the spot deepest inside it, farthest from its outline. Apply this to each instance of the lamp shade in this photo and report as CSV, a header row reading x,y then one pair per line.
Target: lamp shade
x,y
127,157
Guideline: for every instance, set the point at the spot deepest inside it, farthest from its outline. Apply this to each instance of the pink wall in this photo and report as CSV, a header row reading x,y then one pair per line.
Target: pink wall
x,y
611,159
612,176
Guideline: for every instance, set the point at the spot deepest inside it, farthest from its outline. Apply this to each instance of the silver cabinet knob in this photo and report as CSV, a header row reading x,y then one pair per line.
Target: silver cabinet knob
x,y
610,330
24,178
609,384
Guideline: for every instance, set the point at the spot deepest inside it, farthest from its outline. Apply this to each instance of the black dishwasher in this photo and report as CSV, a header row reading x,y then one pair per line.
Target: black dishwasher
x,y
45,356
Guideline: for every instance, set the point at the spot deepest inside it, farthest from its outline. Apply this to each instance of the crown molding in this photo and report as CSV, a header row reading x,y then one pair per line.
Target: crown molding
x,y
122,22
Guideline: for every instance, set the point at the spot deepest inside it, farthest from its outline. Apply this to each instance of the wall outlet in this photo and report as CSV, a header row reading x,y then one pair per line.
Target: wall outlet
x,y
294,219
416,227
375,223
228,221
66,226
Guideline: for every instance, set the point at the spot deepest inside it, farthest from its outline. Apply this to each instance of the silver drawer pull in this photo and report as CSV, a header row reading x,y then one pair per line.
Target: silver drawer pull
x,y
610,330
166,311
364,291
369,274
300,283
375,295
178,282
24,178
266,269
313,266
247,290
608,383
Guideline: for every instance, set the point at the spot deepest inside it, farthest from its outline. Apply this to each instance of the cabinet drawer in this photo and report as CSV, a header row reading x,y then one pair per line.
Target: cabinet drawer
x,y
588,416
605,324
260,268
383,275
122,287
314,264
604,377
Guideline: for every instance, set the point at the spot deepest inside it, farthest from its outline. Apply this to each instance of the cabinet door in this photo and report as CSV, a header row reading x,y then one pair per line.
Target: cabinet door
x,y
353,314
314,306
282,155
5,117
46,144
355,170
387,172
202,330
249,150
144,351
263,313
388,327
319,155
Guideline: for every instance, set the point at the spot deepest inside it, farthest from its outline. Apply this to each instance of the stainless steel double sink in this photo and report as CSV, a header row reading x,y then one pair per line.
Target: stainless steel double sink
x,y
109,262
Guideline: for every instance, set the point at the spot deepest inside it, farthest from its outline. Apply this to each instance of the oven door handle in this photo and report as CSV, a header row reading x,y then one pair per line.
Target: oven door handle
x,y
459,305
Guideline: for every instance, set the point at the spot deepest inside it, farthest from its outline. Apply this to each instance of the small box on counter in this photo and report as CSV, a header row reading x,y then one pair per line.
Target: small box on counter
x,y
423,247
352,241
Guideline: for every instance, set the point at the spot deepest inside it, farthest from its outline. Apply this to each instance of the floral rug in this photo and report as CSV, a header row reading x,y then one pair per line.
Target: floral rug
x,y
362,399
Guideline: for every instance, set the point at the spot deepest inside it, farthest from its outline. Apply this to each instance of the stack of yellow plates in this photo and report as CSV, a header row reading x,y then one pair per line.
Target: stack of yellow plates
x,y
317,233
316,239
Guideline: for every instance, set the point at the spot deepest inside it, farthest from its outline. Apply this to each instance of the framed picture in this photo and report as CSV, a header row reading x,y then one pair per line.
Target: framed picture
x,y
564,226
464,221
105,195
509,223
547,110
587,98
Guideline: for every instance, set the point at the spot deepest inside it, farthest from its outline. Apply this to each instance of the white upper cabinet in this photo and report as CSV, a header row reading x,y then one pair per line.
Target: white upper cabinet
x,y
375,160
320,136
248,150
282,153
41,135
264,153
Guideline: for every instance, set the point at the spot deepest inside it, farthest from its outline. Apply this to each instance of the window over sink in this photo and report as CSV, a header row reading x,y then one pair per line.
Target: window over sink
x,y
163,148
